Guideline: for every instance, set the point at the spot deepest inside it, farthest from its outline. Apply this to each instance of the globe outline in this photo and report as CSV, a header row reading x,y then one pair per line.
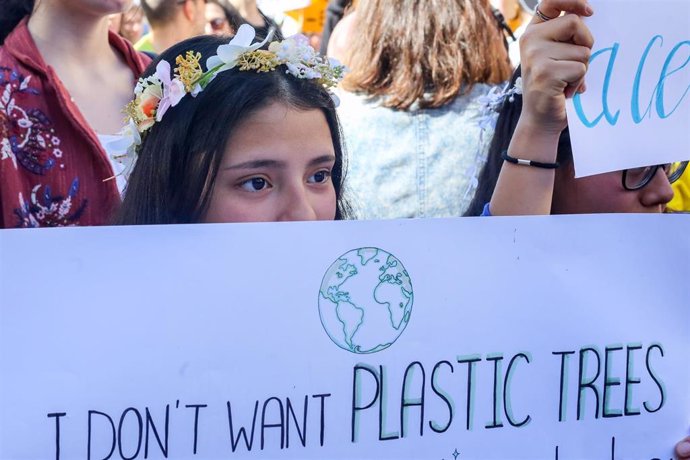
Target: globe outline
x,y
405,320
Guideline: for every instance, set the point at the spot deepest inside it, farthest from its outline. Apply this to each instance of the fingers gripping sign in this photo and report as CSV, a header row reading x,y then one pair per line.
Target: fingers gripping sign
x,y
555,55
551,9
683,449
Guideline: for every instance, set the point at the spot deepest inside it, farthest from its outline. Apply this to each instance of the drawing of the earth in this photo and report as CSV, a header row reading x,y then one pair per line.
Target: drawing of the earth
x,y
365,300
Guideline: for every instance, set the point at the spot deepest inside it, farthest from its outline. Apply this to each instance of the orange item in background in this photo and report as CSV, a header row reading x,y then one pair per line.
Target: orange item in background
x,y
312,18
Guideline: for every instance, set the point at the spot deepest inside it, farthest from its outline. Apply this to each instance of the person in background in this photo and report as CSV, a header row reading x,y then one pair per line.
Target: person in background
x,y
335,11
531,162
342,34
222,18
132,22
253,16
518,14
513,12
171,21
64,78
412,103
645,189
129,24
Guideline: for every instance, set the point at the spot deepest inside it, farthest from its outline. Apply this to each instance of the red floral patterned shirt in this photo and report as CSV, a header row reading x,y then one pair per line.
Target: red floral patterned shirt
x,y
52,166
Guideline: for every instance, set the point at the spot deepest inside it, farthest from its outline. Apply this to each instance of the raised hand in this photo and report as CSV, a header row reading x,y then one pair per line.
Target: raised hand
x,y
555,51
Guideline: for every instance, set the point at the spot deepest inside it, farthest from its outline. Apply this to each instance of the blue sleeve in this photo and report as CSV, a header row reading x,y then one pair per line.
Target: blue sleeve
x,y
486,212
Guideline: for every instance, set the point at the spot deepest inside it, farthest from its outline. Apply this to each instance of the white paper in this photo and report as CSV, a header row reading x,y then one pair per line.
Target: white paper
x,y
132,323
636,110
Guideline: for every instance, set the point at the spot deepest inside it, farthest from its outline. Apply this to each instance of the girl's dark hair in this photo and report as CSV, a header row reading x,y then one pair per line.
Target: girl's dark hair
x,y
13,11
179,158
505,127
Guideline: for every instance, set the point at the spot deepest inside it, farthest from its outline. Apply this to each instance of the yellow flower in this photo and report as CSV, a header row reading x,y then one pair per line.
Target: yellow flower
x,y
188,69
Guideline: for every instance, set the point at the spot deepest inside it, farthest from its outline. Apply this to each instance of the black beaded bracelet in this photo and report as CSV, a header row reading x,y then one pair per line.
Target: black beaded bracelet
x,y
520,161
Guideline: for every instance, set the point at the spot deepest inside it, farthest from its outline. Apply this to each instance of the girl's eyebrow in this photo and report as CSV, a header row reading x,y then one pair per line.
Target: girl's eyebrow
x,y
322,159
257,164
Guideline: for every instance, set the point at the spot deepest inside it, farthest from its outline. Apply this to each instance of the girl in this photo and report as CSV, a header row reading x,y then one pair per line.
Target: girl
x,y
63,80
240,134
532,126
636,190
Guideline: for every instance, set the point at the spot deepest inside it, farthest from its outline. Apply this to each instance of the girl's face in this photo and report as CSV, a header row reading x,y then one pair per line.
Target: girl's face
x,y
277,167
604,193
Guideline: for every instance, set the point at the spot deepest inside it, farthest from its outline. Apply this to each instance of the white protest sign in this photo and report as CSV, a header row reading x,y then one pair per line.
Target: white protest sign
x,y
488,338
636,110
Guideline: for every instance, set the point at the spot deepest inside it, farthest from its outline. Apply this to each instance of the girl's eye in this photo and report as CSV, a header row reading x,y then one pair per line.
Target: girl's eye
x,y
319,177
255,184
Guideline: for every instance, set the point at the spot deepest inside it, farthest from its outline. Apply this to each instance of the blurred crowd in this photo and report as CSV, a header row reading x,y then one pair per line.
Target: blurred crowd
x,y
314,18
145,19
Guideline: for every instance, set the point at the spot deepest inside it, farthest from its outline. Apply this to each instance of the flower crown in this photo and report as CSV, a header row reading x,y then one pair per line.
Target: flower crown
x,y
154,95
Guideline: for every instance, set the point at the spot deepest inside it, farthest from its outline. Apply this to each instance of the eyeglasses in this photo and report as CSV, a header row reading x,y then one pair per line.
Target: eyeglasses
x,y
217,23
637,178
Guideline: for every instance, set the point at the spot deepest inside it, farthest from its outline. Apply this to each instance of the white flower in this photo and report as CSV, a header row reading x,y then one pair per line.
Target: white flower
x,y
228,55
300,70
131,133
173,89
333,62
196,90
126,140
144,83
295,49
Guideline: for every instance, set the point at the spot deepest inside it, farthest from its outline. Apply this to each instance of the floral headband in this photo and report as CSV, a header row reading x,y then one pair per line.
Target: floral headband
x,y
156,94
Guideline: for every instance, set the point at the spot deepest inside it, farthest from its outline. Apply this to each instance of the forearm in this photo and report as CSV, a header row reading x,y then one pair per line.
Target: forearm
x,y
526,190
